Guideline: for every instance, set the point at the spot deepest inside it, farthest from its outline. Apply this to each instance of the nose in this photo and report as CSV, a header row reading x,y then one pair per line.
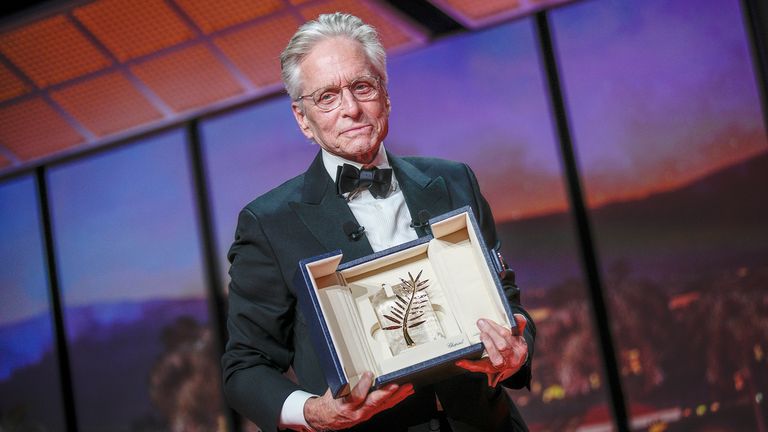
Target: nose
x,y
350,106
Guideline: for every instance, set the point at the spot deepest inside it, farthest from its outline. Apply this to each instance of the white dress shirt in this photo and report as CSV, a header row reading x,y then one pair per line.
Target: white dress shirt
x,y
387,223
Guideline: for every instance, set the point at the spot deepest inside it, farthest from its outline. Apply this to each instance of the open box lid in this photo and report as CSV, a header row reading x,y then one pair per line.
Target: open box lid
x,y
327,271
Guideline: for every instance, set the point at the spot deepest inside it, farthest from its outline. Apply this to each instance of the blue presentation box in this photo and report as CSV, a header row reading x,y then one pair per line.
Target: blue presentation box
x,y
356,311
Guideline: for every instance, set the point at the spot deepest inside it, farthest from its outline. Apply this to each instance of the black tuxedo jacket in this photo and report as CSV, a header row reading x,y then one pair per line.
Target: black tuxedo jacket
x,y
267,334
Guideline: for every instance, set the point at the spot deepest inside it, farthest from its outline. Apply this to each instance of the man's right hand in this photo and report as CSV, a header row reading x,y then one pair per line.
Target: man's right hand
x,y
327,413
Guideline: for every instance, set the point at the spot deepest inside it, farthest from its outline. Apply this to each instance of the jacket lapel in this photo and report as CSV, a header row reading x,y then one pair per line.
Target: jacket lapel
x,y
421,191
324,213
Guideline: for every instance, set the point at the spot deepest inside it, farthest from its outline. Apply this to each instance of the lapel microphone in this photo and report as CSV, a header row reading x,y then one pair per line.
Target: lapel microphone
x,y
423,220
353,230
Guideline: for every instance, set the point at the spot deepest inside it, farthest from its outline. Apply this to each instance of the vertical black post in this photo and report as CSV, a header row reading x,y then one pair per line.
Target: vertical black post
x,y
584,231
65,372
216,302
756,20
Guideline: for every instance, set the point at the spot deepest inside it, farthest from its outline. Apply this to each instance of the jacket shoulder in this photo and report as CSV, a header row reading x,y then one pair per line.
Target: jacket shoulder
x,y
436,165
276,199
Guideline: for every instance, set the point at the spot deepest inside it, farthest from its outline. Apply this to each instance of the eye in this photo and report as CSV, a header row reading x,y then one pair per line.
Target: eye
x,y
327,96
362,87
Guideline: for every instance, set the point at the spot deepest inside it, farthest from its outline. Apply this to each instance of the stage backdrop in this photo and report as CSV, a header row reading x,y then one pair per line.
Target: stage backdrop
x,y
672,155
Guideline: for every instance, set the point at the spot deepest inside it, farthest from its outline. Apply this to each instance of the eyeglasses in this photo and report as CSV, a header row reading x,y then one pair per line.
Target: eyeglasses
x,y
363,89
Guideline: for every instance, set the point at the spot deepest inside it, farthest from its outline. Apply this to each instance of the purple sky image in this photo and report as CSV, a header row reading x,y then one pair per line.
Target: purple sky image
x,y
248,152
480,99
23,278
23,275
435,93
124,224
659,93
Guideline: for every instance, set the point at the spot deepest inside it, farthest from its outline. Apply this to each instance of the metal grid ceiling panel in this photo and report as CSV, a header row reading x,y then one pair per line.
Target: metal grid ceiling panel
x,y
51,51
205,81
131,29
484,8
255,50
214,16
391,34
106,104
482,13
26,129
100,70
10,85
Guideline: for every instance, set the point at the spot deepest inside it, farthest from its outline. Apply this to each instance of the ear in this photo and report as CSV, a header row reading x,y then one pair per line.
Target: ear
x,y
387,102
302,121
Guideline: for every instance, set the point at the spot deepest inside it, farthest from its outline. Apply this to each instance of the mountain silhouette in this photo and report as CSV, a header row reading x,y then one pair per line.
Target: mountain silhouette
x,y
716,221
112,348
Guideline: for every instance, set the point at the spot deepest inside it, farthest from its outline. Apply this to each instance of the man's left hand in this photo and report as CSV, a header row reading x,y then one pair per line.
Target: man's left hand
x,y
507,351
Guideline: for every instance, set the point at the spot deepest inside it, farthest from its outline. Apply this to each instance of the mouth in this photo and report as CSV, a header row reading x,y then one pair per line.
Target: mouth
x,y
356,130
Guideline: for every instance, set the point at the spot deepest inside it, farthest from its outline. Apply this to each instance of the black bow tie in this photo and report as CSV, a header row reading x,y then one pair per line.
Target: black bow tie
x,y
377,181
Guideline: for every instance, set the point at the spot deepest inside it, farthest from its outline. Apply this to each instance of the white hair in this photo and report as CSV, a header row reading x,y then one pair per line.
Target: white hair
x,y
324,27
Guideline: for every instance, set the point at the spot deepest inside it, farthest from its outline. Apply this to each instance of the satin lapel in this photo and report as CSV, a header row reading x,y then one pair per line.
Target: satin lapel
x,y
324,213
421,191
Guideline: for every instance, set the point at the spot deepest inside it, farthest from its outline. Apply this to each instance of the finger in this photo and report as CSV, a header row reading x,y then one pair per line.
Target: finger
x,y
360,391
496,338
500,334
493,381
483,366
403,392
383,399
494,356
376,397
521,323
492,342
395,398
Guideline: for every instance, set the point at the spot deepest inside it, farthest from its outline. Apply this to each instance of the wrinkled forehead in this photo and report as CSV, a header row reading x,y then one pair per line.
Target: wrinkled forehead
x,y
334,61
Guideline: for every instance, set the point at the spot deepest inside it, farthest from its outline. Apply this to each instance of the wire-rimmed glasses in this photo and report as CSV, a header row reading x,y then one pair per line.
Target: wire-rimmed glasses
x,y
363,89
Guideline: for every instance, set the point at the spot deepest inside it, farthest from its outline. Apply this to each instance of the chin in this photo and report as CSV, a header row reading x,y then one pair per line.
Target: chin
x,y
362,152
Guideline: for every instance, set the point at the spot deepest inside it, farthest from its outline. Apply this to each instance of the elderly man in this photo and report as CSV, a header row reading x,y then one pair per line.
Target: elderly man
x,y
334,69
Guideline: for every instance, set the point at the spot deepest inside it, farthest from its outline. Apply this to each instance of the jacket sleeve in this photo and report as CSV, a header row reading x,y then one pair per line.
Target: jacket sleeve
x,y
260,325
488,227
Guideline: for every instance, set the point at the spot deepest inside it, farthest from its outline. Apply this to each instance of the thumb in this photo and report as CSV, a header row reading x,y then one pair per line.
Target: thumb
x,y
360,391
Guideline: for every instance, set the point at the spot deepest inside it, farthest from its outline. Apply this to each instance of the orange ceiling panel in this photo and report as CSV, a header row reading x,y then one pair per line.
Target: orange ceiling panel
x,y
256,49
106,104
10,85
33,129
51,51
188,78
477,14
391,35
483,8
131,29
214,16
299,2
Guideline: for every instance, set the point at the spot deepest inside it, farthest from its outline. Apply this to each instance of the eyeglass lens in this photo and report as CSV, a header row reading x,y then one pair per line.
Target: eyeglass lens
x,y
363,89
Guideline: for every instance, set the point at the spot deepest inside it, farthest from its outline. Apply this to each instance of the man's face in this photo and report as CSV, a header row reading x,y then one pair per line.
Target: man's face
x,y
355,129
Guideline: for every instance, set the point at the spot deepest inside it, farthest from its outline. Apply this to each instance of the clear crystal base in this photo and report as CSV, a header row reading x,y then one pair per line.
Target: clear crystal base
x,y
406,314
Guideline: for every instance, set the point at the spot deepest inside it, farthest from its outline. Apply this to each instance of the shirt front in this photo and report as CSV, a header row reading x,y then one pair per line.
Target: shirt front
x,y
387,223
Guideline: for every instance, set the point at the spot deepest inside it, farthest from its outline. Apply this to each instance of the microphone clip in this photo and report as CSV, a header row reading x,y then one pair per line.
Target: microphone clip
x,y
422,222
353,230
